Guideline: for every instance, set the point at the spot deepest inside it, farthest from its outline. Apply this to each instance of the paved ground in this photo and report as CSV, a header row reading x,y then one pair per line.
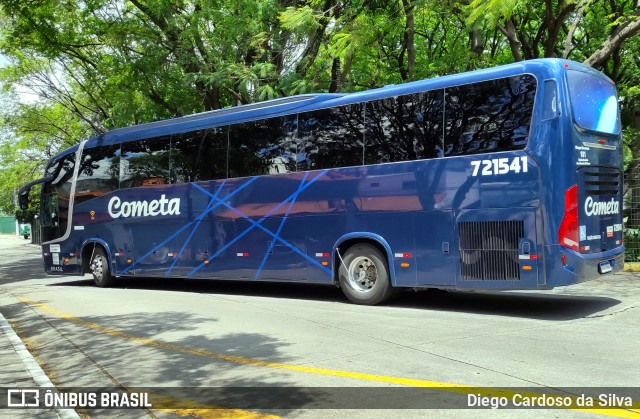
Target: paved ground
x,y
148,334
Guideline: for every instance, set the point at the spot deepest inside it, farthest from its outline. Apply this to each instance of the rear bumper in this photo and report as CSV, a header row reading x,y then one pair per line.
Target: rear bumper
x,y
582,267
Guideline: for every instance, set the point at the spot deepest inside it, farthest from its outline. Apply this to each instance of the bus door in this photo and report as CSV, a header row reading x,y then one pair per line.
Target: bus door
x,y
153,259
140,246
435,254
51,209
274,251
498,248
211,252
123,257
132,252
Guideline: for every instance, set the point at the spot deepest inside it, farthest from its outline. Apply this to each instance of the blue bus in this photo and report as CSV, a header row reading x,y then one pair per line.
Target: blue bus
x,y
503,178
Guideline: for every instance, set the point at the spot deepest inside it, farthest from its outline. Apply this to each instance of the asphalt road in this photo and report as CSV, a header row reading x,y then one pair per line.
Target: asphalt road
x,y
201,344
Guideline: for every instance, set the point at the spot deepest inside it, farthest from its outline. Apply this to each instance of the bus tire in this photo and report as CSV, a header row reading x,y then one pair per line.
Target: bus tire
x,y
364,276
99,267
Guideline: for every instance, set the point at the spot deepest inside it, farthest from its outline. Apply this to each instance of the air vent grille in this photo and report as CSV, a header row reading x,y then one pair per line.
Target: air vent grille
x,y
601,180
489,250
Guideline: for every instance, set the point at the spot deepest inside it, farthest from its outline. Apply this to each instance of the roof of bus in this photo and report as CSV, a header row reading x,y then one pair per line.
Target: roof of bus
x,y
543,68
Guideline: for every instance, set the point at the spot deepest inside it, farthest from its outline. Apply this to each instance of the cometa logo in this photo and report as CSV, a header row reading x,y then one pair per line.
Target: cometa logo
x,y
592,207
162,206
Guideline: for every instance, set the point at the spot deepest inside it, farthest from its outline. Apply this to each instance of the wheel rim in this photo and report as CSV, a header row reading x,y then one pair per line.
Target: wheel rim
x,y
97,268
363,274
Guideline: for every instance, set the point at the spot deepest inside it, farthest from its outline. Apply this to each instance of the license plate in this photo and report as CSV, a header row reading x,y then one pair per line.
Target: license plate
x,y
604,267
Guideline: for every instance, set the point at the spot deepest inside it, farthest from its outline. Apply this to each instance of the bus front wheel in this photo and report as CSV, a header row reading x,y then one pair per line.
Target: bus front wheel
x,y
99,266
364,275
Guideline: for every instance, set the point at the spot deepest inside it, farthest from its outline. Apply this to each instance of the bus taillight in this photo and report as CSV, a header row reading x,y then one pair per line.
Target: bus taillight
x,y
568,232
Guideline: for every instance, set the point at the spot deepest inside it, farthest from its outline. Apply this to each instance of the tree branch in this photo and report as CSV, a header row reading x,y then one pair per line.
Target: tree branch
x,y
509,31
574,26
613,42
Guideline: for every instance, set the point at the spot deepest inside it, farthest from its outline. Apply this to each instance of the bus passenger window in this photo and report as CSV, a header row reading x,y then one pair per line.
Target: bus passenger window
x,y
405,128
145,161
99,172
489,116
331,137
199,155
428,116
263,147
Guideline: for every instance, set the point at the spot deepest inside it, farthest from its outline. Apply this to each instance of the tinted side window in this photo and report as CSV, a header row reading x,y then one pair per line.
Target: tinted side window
x,y
489,116
404,128
145,162
285,149
99,172
199,155
262,147
331,138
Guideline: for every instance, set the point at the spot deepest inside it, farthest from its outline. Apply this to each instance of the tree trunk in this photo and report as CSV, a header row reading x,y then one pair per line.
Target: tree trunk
x,y
409,35
334,86
315,41
613,42
509,30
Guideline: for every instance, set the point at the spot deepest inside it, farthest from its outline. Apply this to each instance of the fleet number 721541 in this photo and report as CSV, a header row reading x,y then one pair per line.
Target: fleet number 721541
x,y
499,166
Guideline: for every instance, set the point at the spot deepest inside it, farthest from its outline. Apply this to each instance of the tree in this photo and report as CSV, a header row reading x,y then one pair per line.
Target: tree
x,y
104,64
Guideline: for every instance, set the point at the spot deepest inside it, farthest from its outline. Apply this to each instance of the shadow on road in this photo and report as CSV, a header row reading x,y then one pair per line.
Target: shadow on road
x,y
166,347
231,287
533,305
30,267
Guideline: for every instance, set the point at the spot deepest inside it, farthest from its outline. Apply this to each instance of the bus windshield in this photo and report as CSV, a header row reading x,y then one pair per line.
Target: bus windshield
x,y
54,208
594,102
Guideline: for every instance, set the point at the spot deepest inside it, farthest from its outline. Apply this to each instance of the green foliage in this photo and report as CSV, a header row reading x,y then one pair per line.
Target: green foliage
x,y
632,244
493,11
27,216
302,20
102,64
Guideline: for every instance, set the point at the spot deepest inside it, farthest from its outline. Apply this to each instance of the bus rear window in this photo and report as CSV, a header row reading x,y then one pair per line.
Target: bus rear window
x,y
594,102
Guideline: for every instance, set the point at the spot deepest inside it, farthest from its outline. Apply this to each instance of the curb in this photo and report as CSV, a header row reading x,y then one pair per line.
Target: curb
x,y
632,267
33,368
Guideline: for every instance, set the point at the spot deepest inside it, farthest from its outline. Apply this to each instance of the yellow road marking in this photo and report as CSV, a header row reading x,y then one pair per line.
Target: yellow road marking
x,y
411,382
190,409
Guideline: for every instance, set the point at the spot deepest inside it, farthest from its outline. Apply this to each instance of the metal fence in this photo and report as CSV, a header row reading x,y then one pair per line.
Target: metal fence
x,y
7,225
632,217
36,233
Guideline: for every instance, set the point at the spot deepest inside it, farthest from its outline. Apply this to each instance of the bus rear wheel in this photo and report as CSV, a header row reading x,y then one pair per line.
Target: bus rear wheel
x,y
99,266
364,275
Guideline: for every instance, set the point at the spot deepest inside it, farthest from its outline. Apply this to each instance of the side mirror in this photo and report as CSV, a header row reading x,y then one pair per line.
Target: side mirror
x,y
23,193
23,200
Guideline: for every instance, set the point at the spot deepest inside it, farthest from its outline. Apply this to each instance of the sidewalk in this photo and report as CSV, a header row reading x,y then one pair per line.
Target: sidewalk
x,y
19,370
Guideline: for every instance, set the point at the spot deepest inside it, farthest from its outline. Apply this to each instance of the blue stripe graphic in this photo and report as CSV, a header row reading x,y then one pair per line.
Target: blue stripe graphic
x,y
284,219
200,217
256,224
195,228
